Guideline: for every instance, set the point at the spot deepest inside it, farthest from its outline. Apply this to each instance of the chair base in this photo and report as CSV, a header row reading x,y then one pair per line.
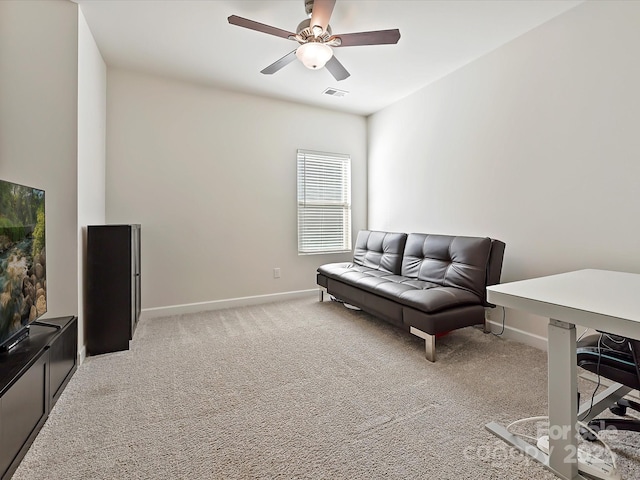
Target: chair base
x,y
618,408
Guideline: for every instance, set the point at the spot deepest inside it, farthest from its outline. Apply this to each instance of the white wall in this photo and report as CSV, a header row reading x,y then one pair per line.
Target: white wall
x,y
211,176
38,127
92,116
535,144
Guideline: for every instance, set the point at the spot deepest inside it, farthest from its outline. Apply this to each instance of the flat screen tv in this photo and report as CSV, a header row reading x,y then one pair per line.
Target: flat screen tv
x,y
23,263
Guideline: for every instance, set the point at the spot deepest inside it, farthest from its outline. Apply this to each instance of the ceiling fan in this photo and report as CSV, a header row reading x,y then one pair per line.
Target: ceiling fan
x,y
316,39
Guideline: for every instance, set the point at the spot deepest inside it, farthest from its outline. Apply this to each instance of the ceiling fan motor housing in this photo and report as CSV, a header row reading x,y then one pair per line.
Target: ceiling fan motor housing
x,y
305,32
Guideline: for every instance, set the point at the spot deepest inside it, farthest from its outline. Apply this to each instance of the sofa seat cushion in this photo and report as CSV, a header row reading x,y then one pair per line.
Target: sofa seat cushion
x,y
425,296
337,270
436,299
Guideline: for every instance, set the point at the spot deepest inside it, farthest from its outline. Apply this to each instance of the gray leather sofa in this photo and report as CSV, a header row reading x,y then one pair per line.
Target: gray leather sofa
x,y
426,284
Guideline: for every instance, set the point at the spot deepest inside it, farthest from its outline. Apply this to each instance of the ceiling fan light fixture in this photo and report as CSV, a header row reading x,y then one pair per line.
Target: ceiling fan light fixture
x,y
314,55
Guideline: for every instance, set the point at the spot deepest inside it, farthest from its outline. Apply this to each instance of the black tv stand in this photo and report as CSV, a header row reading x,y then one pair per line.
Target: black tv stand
x,y
25,334
46,324
33,375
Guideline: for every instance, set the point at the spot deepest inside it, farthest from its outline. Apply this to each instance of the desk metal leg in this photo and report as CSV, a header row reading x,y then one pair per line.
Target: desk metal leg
x,y
563,409
563,393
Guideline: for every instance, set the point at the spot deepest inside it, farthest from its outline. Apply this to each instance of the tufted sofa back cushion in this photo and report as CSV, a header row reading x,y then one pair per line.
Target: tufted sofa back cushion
x,y
380,250
448,261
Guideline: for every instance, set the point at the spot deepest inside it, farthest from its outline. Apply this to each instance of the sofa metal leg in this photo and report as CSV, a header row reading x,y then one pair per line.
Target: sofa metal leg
x,y
429,343
487,316
430,348
321,294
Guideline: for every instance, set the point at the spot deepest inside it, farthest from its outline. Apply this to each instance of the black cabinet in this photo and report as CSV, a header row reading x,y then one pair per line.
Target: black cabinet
x,y
33,374
113,287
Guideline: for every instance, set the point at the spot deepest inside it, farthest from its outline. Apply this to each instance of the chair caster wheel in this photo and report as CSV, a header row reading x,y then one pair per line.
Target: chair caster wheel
x,y
618,409
587,435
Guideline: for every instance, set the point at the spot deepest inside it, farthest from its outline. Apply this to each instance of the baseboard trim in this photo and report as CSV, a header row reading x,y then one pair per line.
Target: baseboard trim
x,y
167,311
82,355
521,336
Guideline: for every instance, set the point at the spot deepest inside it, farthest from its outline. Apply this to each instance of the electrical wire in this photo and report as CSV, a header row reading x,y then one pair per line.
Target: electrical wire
x,y
583,334
525,420
582,424
604,444
593,395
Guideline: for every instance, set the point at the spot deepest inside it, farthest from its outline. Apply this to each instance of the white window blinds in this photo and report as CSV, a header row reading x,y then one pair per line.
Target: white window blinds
x,y
324,202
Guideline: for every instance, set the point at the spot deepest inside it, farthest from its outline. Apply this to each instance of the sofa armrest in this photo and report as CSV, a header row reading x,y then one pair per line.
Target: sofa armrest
x,y
494,266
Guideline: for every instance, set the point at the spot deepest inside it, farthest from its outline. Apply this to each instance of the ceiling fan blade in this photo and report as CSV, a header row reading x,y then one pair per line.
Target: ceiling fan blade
x,y
378,37
336,69
321,13
278,64
259,27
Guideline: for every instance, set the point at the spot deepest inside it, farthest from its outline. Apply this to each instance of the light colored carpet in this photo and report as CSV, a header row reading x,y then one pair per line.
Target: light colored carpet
x,y
297,389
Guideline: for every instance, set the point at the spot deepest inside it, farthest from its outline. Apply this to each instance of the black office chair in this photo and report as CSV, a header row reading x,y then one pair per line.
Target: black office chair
x,y
616,358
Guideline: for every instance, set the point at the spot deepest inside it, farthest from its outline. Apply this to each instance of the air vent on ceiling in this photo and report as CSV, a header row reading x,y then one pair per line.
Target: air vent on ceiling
x,y
334,92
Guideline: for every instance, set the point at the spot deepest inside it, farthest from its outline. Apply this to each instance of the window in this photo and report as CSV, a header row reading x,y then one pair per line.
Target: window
x,y
324,202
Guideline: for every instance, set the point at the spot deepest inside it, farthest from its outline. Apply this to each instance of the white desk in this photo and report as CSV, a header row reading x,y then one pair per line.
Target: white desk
x,y
599,299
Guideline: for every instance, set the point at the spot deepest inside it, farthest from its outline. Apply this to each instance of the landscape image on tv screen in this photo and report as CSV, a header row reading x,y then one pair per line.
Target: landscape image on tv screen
x,y
23,296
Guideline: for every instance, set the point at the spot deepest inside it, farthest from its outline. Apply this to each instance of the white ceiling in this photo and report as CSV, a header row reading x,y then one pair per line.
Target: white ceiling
x,y
192,40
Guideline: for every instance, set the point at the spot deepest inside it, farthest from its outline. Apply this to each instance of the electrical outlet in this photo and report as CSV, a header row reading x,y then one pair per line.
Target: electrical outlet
x,y
487,313
276,272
